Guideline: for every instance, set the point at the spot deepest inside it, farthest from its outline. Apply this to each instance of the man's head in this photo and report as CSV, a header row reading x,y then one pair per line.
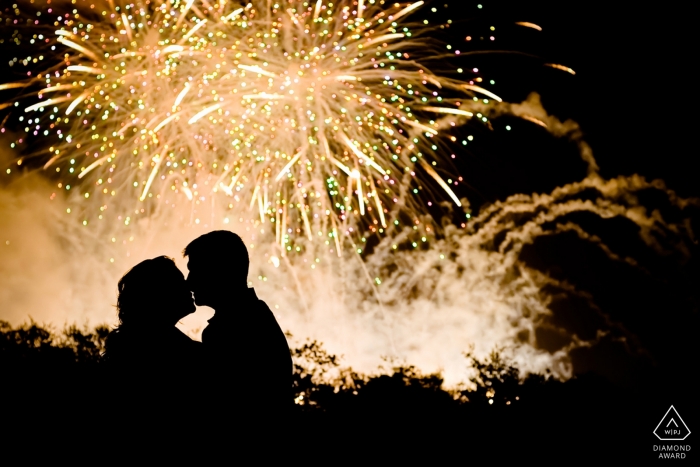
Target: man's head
x,y
218,264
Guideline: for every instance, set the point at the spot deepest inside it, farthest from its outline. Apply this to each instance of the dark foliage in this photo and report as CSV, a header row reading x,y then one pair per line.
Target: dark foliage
x,y
32,344
50,376
320,382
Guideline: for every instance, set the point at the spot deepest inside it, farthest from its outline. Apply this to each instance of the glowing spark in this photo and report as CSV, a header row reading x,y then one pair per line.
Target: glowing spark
x,y
330,157
76,102
406,10
292,16
257,69
154,172
360,154
255,195
360,195
386,37
204,112
290,164
185,10
127,26
13,85
264,95
261,208
226,189
79,48
46,103
172,49
187,192
378,202
434,81
60,87
51,161
317,10
341,166
92,166
380,209
420,126
483,91
307,225
86,69
233,15
192,31
528,25
165,122
446,110
534,120
278,226
560,67
440,181
182,95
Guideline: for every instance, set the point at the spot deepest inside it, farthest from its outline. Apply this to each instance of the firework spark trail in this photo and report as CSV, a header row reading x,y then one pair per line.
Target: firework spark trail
x,y
316,113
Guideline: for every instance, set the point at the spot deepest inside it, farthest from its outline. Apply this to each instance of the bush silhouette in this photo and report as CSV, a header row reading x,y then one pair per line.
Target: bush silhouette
x,y
33,345
72,359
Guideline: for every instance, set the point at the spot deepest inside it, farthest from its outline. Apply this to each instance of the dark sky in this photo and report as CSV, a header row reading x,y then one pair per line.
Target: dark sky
x,y
633,97
632,94
637,59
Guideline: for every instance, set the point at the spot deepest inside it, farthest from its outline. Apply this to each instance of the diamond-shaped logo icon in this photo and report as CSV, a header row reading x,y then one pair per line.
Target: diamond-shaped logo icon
x,y
671,427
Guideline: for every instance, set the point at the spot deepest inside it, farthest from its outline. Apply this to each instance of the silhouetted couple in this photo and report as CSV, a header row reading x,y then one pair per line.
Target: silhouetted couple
x,y
242,367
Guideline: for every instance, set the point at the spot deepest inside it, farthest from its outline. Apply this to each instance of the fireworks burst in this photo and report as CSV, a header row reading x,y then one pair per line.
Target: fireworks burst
x,y
313,114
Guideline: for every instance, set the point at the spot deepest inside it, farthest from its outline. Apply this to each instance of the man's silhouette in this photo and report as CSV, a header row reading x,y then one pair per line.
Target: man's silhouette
x,y
249,360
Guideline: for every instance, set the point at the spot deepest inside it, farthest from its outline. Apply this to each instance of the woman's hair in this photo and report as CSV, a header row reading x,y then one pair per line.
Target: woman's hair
x,y
145,297
139,289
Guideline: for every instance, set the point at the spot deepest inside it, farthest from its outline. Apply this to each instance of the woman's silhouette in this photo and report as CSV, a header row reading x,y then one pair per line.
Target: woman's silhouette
x,y
146,346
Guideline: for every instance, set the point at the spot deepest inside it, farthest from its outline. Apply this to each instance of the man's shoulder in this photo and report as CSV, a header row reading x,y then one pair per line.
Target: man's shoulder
x,y
212,327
